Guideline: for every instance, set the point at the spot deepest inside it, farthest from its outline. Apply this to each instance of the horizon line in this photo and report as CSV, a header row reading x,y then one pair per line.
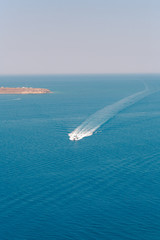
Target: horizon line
x,y
75,74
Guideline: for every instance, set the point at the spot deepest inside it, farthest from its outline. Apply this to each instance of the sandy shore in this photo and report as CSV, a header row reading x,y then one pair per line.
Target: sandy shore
x,y
23,90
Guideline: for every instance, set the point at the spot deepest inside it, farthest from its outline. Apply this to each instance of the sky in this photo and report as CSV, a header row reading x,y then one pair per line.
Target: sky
x,y
79,36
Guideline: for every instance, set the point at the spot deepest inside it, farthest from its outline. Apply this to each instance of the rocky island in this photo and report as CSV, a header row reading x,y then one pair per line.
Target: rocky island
x,y
23,90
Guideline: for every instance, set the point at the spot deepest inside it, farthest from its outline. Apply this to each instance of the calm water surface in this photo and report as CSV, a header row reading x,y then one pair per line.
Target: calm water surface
x,y
105,186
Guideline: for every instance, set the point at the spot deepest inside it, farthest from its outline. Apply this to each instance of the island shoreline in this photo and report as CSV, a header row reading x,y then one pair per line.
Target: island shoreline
x,y
23,90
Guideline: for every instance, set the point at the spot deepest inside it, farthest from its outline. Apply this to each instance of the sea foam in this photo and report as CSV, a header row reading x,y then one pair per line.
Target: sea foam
x,y
92,123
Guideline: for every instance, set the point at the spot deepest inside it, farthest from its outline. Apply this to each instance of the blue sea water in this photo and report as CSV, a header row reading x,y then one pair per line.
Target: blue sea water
x,y
105,186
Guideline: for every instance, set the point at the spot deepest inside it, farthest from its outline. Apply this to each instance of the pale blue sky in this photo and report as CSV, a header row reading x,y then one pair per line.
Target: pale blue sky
x,y
85,36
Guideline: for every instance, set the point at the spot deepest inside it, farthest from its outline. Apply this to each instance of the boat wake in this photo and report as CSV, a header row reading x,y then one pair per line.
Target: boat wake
x,y
92,123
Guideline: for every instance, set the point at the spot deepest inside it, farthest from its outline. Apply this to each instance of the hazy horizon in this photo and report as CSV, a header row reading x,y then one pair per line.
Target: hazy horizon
x,y
73,38
76,74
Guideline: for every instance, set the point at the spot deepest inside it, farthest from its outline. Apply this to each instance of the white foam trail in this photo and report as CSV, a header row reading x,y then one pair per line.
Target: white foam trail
x,y
92,123
7,100
16,99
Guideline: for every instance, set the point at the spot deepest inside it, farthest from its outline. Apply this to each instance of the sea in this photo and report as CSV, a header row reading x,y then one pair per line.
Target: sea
x,y
104,186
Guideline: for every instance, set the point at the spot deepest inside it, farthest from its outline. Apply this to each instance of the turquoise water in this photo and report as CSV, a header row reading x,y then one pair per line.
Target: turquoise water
x,y
105,186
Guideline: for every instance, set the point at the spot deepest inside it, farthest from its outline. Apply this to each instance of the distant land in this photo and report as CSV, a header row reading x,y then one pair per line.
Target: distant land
x,y
23,90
